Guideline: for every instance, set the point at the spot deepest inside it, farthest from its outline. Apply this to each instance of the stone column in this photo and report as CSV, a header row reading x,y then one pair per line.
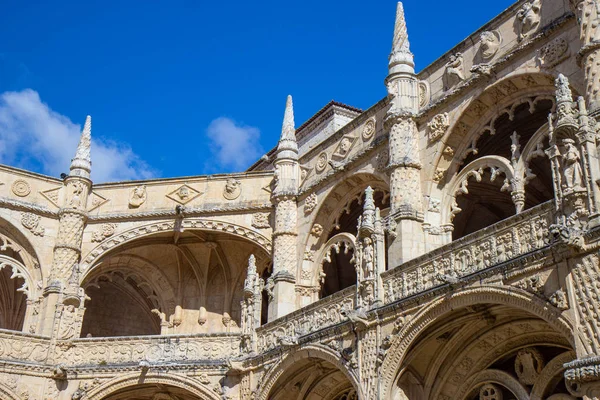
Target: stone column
x,y
285,234
588,17
404,158
63,298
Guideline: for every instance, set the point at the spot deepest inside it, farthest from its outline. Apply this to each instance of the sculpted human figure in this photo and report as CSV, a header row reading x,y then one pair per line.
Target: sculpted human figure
x,y
138,196
489,44
232,189
529,16
571,167
454,70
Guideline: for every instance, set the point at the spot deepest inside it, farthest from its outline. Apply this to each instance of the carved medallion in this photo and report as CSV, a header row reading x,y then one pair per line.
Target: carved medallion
x,y
369,129
233,189
310,203
32,222
21,188
490,43
489,391
529,364
344,147
137,196
321,164
424,94
438,126
183,194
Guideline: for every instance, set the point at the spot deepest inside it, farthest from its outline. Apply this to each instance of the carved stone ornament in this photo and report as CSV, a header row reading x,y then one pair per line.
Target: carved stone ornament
x,y
455,71
438,126
106,230
233,189
529,18
439,175
321,164
490,43
52,196
553,53
317,230
368,129
489,391
344,147
424,94
310,204
559,300
97,201
261,220
529,364
183,194
21,188
137,197
32,222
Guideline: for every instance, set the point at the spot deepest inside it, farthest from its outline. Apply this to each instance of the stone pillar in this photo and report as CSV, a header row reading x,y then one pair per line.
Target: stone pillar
x,y
63,298
251,307
285,234
404,158
588,17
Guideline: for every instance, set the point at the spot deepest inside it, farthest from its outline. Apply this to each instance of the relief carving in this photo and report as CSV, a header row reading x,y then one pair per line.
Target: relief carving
x,y
317,230
321,163
438,126
137,197
344,147
528,18
32,222
368,129
553,53
183,194
490,43
261,220
311,202
233,189
455,71
21,188
106,231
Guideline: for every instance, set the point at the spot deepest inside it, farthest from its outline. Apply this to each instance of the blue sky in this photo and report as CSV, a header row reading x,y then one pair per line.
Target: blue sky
x,y
185,87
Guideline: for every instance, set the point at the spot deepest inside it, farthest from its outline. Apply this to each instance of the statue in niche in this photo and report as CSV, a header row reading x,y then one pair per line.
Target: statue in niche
x,y
454,71
232,189
368,258
572,171
137,196
67,323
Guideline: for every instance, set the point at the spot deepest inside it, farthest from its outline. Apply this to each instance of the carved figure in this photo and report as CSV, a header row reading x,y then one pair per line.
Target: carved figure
x,y
490,43
137,196
529,18
232,189
573,175
454,71
67,323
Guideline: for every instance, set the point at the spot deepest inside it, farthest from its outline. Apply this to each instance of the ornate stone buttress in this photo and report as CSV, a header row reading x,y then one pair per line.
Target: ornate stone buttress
x,y
404,159
285,257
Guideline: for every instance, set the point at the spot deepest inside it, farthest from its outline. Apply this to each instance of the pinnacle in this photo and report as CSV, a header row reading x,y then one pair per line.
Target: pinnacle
x,y
82,159
288,148
400,43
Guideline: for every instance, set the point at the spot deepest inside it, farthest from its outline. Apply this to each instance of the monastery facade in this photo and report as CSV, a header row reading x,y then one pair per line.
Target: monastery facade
x,y
443,244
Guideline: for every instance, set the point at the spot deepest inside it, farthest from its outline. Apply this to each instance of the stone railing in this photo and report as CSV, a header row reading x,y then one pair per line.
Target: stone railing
x,y
19,346
485,248
151,349
316,316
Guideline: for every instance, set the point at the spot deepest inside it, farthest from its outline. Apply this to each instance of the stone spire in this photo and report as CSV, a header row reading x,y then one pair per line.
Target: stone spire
x,y
287,147
368,216
81,165
401,59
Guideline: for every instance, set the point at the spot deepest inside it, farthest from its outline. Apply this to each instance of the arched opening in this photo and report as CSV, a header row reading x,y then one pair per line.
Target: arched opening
x,y
13,301
481,351
338,271
169,283
152,392
312,378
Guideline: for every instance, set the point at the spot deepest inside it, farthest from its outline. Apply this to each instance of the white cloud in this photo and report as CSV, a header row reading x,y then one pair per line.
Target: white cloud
x,y
32,136
234,147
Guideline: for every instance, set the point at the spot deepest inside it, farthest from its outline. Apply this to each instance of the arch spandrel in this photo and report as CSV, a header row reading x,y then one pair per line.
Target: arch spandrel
x,y
518,298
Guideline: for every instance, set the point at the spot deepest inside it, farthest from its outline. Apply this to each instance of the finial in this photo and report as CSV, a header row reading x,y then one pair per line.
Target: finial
x,y
367,220
81,165
401,57
563,92
288,148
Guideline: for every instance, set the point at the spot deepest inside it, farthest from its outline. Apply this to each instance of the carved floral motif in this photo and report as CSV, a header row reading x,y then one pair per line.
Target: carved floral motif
x,y
438,126
106,231
21,188
261,220
32,222
310,203
369,129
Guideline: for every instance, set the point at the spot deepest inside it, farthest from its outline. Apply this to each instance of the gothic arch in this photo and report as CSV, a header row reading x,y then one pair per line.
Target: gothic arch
x,y
118,240
133,379
13,239
305,352
508,296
